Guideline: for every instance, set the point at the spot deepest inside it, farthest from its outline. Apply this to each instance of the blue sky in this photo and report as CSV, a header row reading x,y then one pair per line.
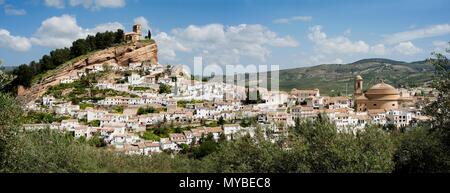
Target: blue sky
x,y
283,32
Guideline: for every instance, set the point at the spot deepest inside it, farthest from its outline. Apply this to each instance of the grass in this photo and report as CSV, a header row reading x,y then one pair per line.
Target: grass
x,y
83,106
118,109
149,135
182,103
138,88
40,117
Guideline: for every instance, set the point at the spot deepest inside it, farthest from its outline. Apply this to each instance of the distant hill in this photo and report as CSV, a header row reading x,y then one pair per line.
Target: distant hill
x,y
8,68
336,77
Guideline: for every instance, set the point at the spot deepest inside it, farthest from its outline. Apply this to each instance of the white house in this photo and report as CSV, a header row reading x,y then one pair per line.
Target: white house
x,y
69,124
399,118
95,114
134,79
167,144
178,138
69,78
189,136
215,131
152,147
230,130
48,100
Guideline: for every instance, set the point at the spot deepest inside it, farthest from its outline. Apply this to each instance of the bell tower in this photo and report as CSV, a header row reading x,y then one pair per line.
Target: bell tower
x,y
137,29
358,85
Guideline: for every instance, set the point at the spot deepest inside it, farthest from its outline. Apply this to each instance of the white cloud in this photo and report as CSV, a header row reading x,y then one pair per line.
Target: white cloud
x,y
292,19
430,31
169,46
338,61
407,48
440,46
222,45
110,3
57,32
16,43
55,3
378,49
10,10
213,33
340,44
98,4
316,59
112,26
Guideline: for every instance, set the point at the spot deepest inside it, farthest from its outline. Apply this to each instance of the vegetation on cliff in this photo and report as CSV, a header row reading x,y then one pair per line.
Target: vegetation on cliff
x,y
25,73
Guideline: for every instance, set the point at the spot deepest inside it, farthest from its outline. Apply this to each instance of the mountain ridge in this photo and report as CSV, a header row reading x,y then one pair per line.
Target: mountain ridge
x,y
338,78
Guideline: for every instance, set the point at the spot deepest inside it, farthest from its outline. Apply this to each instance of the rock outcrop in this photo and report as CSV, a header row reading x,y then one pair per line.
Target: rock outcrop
x,y
122,55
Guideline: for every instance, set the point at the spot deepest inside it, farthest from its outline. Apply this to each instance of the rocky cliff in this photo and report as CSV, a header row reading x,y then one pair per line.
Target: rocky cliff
x,y
122,55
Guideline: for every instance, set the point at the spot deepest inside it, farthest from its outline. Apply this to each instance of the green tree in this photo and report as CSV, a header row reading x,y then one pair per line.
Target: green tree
x,y
118,109
24,75
221,121
119,37
79,47
244,155
421,151
149,35
146,110
427,148
97,141
10,122
440,109
207,146
330,151
5,78
94,123
165,89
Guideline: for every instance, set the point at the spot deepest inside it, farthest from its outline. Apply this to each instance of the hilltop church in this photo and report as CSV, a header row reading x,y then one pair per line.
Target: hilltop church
x,y
135,35
381,96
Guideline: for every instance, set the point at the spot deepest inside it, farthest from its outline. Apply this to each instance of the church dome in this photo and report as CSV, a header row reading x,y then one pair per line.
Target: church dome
x,y
382,91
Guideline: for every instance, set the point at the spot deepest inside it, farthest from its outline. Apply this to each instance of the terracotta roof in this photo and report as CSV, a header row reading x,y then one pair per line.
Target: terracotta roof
x,y
382,88
151,144
177,137
214,130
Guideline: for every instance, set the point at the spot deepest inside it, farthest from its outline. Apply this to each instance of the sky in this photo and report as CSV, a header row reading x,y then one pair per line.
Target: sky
x,y
287,33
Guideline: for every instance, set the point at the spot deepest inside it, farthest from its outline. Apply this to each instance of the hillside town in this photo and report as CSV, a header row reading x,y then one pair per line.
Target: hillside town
x,y
148,96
